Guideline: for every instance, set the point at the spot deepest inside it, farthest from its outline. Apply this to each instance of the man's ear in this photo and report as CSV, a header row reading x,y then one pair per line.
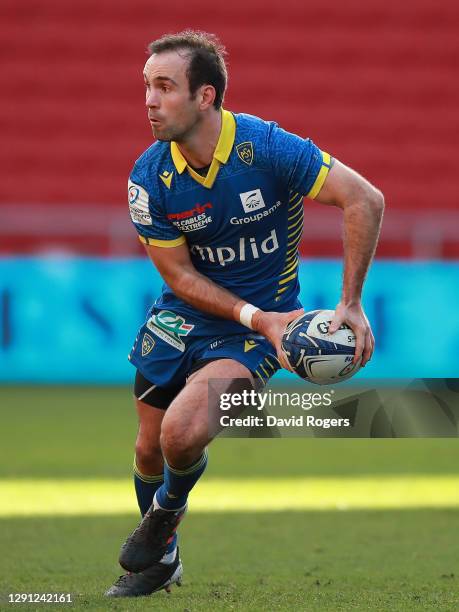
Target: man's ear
x,y
207,94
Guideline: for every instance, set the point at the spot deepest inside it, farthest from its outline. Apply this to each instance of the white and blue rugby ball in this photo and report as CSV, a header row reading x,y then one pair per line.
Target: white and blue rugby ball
x,y
314,354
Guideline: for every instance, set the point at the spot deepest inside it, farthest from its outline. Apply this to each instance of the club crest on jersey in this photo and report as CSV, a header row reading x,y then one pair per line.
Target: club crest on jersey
x,y
170,327
245,152
252,200
147,344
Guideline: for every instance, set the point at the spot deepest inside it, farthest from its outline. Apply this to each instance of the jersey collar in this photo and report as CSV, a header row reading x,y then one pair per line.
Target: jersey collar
x,y
221,154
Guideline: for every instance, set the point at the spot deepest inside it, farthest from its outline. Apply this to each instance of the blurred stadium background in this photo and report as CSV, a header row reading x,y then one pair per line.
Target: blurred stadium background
x,y
373,83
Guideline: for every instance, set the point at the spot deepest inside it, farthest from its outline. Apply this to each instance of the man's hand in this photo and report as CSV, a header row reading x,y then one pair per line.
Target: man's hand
x,y
354,316
272,326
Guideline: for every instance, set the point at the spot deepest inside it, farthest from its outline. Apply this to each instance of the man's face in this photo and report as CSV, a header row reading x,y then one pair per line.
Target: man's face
x,y
172,113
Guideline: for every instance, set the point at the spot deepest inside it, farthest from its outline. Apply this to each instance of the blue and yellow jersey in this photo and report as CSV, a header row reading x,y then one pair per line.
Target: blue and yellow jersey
x,y
243,221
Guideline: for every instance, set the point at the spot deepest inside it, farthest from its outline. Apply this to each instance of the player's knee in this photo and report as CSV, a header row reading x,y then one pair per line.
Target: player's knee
x,y
178,445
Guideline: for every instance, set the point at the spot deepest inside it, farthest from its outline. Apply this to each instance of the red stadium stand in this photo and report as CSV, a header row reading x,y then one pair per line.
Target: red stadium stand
x,y
374,83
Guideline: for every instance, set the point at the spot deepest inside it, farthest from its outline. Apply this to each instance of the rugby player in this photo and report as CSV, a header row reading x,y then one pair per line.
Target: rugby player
x,y
217,201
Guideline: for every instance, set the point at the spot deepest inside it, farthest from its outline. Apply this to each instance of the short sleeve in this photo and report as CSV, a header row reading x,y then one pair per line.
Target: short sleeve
x,y
149,218
297,162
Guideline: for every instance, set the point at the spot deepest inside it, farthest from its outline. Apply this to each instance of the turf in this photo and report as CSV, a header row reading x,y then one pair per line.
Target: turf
x,y
89,432
364,557
288,561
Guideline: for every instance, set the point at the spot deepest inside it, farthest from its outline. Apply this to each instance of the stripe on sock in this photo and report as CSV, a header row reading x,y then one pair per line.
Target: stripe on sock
x,y
193,468
145,477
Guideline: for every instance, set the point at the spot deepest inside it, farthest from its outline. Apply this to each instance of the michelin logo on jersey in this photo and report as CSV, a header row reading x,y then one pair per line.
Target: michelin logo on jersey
x,y
242,222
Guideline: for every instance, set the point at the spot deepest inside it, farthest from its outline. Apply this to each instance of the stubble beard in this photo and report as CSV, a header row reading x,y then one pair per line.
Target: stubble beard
x,y
173,134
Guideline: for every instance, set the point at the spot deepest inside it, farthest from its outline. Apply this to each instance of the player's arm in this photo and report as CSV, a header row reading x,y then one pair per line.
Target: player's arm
x,y
177,270
362,206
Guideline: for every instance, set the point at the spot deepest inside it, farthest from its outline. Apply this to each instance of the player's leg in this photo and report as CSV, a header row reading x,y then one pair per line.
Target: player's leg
x,y
186,430
149,464
151,404
148,459
184,436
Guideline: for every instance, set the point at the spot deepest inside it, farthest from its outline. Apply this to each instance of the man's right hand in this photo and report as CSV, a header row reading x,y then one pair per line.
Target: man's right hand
x,y
272,326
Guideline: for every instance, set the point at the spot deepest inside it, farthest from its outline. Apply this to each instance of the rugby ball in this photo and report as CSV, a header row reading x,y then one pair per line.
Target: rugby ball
x,y
316,355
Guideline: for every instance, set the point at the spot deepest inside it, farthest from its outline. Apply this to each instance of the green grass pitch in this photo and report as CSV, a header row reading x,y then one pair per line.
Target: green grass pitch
x,y
384,540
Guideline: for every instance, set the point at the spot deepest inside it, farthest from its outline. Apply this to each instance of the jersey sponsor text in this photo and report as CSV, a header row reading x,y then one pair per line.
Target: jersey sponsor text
x,y
247,249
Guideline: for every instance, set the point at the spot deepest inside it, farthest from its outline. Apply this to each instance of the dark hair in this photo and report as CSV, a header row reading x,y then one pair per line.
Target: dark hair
x,y
207,63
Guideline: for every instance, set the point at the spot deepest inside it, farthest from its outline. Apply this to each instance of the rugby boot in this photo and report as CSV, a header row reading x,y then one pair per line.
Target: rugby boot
x,y
155,578
148,543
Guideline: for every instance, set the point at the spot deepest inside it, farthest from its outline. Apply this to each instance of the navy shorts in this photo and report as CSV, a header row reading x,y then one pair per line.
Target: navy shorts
x,y
169,348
